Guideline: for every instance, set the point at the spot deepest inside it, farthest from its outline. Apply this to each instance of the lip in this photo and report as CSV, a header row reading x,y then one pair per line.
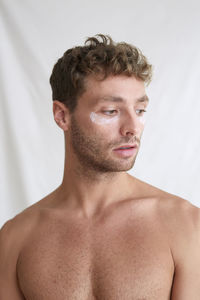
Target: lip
x,y
127,146
126,152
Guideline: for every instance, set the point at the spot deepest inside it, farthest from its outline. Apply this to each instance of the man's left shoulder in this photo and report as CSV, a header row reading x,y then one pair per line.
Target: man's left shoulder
x,y
182,211
172,208
182,221
176,209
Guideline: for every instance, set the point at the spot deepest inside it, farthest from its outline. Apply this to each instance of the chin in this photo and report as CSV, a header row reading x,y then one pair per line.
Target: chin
x,y
121,167
127,168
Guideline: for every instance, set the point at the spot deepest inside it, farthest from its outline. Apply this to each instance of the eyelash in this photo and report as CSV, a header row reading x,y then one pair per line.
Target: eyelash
x,y
114,110
141,110
109,111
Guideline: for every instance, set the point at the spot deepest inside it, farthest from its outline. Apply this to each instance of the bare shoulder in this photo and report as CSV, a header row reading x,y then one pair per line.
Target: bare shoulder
x,y
13,236
179,222
15,230
170,205
182,221
179,217
180,214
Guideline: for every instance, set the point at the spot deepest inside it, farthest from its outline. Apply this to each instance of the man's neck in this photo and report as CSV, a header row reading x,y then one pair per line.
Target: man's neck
x,y
89,192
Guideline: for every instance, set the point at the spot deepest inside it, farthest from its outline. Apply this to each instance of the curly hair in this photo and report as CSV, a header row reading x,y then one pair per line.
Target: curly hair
x,y
100,55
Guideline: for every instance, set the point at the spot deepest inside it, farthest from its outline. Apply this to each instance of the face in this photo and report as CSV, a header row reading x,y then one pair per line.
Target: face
x,y
109,115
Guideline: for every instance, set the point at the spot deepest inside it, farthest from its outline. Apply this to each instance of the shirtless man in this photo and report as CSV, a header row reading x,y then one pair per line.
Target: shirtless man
x,y
102,234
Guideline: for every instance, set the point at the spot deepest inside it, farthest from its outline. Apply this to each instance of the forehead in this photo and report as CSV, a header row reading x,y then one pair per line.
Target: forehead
x,y
118,89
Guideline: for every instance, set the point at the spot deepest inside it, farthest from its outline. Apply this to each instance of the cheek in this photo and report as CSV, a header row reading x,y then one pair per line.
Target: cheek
x,y
101,120
142,120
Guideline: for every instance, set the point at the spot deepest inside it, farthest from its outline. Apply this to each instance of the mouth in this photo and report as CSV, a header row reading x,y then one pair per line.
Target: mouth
x,y
125,147
126,150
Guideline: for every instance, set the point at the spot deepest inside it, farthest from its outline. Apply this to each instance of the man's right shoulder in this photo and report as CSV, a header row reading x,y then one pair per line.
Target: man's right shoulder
x,y
26,221
13,236
17,228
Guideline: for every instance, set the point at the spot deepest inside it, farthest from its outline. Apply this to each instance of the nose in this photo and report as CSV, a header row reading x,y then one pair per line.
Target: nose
x,y
130,126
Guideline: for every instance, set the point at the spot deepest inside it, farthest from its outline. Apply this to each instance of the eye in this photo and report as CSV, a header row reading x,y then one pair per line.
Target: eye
x,y
110,112
141,111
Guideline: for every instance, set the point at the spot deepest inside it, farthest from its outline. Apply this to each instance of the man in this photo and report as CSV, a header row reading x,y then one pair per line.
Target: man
x,y
102,234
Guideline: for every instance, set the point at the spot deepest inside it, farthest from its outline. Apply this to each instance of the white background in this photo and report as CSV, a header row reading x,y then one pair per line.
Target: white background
x,y
34,34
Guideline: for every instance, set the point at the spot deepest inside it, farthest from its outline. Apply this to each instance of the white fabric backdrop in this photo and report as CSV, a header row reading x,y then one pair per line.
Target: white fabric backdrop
x,y
34,34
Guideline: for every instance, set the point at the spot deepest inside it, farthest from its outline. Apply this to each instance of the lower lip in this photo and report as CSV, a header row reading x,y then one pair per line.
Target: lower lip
x,y
126,152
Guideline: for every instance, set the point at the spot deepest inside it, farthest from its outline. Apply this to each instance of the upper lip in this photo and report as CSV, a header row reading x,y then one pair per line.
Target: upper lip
x,y
130,146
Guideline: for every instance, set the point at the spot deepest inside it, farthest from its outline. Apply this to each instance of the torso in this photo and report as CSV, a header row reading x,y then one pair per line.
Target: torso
x,y
124,254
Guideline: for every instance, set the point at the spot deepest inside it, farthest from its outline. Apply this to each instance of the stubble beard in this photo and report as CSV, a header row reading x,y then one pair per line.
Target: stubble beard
x,y
93,155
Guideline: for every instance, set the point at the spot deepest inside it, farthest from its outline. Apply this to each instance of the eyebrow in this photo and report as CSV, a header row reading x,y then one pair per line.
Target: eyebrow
x,y
144,98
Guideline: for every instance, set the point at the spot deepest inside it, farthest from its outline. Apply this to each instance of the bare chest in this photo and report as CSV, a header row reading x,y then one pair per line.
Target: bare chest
x,y
114,262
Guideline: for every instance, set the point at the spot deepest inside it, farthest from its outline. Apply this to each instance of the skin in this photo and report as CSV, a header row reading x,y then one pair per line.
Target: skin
x,y
102,234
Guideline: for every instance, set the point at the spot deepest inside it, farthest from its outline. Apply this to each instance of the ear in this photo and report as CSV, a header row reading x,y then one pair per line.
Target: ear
x,y
61,115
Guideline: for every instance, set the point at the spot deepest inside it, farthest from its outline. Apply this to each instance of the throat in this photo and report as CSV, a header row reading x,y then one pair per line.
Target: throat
x,y
90,196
